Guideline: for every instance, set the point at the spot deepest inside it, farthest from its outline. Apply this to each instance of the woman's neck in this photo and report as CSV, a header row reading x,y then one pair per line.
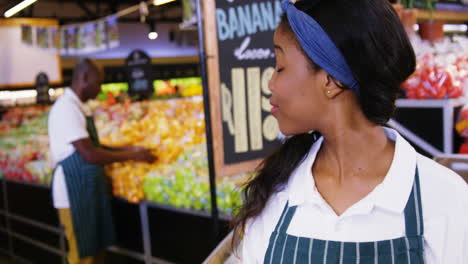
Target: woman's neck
x,y
355,149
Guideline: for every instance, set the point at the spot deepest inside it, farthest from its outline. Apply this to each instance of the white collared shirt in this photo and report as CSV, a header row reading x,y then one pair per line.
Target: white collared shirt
x,y
67,124
378,216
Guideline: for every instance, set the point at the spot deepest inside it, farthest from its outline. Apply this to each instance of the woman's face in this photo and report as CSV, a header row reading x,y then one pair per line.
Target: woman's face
x,y
298,92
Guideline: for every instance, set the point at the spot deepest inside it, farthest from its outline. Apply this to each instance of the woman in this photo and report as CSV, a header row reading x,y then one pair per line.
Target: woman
x,y
352,191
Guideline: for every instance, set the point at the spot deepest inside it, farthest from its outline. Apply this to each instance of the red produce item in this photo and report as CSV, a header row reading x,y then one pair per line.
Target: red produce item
x,y
463,148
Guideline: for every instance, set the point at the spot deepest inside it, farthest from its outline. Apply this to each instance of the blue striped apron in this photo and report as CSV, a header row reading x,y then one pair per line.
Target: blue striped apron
x,y
284,248
90,200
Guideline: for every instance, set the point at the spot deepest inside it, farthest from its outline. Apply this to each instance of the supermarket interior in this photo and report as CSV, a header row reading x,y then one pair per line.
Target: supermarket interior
x,y
186,80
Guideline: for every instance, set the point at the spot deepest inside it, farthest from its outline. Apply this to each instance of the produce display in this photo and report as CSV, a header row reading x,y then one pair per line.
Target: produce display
x,y
442,69
186,87
17,116
166,126
462,128
25,145
111,90
173,129
184,183
113,93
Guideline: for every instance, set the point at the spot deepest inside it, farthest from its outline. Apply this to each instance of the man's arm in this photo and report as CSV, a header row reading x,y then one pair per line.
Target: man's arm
x,y
98,155
115,148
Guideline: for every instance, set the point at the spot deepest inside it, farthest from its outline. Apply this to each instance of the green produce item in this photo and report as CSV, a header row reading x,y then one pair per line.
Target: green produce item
x,y
25,147
114,88
185,184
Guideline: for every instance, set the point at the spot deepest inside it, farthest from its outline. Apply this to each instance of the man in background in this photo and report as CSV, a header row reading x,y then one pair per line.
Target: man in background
x,y
79,188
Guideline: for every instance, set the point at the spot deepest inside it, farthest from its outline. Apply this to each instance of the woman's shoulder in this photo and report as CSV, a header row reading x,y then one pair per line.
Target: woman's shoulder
x,y
434,172
258,229
266,221
441,187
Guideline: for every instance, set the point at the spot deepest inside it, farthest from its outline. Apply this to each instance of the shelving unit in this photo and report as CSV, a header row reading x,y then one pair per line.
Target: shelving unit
x,y
429,124
147,233
448,12
444,15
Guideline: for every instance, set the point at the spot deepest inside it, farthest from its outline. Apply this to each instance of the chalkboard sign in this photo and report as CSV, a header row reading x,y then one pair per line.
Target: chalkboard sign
x,y
245,64
139,74
42,89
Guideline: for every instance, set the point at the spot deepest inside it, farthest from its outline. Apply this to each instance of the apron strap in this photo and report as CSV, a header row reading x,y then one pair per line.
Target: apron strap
x,y
413,210
92,131
285,219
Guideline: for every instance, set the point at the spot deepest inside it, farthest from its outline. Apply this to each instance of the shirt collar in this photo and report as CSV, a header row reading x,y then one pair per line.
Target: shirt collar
x,y
70,94
392,194
301,186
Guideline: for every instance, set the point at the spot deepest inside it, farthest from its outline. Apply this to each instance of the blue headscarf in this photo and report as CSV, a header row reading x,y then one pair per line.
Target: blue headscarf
x,y
318,46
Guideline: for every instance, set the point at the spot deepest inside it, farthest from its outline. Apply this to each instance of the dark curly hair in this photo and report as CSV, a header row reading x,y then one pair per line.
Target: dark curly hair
x,y
375,45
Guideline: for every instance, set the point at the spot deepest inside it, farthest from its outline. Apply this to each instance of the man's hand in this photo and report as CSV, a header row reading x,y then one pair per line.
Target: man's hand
x,y
142,154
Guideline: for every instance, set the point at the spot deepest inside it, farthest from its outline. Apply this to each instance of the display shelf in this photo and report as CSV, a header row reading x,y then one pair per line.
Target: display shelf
x,y
444,15
146,232
446,12
429,124
167,207
175,231
40,185
431,103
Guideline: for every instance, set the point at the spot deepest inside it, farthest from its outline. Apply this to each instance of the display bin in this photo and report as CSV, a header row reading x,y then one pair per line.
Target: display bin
x,y
127,222
115,258
182,235
36,234
2,208
429,124
4,242
24,251
34,231
146,232
31,202
223,252
4,236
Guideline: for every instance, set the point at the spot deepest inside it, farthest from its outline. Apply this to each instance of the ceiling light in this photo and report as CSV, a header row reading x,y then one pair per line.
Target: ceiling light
x,y
455,28
161,2
12,11
153,35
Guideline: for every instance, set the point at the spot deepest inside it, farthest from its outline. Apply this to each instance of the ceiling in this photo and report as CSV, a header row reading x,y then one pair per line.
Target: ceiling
x,y
75,11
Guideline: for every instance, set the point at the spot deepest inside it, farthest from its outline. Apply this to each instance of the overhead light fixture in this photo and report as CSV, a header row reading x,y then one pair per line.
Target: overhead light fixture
x,y
455,28
152,31
153,35
12,11
161,2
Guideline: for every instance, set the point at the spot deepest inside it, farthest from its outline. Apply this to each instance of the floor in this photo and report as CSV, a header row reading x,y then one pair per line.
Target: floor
x,y
5,260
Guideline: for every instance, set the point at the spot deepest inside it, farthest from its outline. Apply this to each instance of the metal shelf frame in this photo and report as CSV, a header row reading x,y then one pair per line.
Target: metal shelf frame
x,y
448,109
147,258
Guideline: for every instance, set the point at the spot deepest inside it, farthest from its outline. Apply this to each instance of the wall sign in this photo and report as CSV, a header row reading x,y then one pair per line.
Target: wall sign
x,y
244,130
139,74
42,88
